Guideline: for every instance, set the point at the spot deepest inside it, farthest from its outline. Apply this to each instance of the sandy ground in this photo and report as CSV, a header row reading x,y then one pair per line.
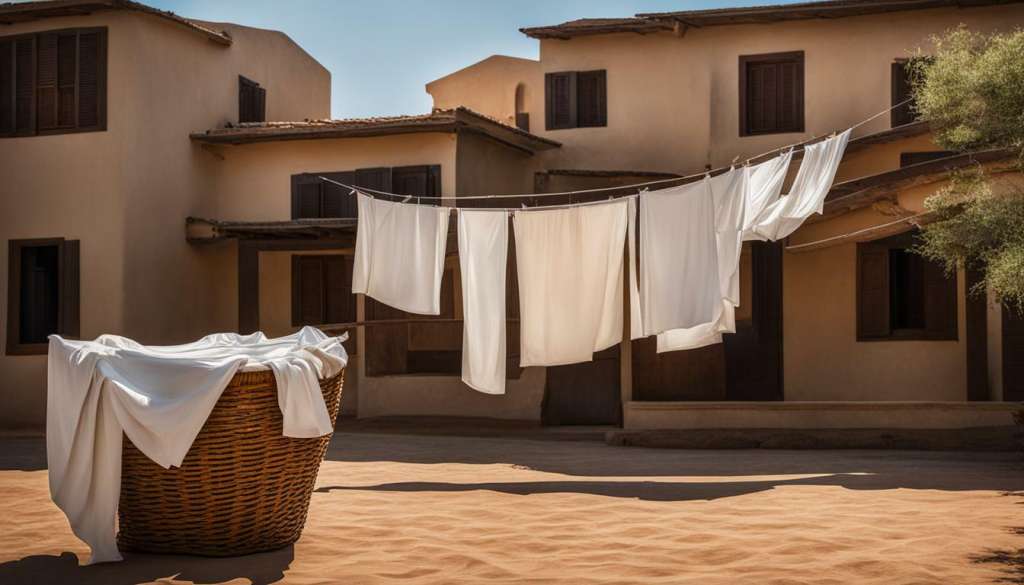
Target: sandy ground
x,y
431,509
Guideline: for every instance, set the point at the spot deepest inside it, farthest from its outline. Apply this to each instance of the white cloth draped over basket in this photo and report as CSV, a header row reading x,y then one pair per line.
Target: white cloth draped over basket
x,y
160,397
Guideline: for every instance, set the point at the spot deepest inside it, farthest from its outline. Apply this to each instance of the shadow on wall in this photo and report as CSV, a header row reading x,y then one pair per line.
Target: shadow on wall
x,y
258,569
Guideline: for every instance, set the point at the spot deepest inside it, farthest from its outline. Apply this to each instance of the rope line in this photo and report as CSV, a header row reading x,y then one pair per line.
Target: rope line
x,y
857,232
353,189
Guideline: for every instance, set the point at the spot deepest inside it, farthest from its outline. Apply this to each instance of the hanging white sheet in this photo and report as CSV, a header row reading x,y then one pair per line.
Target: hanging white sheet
x,y
483,255
679,277
569,265
160,397
764,184
810,187
729,192
399,257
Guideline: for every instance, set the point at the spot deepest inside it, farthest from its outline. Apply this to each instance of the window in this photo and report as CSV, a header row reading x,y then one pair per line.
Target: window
x,y
42,295
901,295
252,101
322,290
771,93
53,82
316,198
901,91
522,116
576,99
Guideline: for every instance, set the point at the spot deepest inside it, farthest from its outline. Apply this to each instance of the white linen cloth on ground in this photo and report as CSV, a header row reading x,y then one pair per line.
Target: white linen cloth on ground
x,y
570,281
679,277
728,192
483,256
810,187
764,184
399,258
160,397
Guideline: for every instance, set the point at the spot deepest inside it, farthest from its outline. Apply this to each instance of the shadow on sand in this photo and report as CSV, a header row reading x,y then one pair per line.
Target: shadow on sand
x,y
258,569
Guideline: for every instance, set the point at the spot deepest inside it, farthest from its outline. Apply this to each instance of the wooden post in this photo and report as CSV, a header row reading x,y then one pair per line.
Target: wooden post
x,y
248,287
626,347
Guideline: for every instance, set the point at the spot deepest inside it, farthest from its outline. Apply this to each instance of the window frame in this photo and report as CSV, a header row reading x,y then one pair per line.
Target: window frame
x,y
68,292
784,56
101,82
930,331
259,105
574,97
380,176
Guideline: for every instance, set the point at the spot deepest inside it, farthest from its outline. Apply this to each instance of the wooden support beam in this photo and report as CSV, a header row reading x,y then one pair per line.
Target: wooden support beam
x,y
248,287
626,347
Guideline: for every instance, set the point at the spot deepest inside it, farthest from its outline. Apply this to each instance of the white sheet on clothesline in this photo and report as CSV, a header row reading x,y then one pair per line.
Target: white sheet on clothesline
x,y
569,265
483,256
764,185
160,397
729,191
679,277
399,258
810,187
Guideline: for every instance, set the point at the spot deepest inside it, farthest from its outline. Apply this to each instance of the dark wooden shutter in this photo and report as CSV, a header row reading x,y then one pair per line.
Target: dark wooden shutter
x,y
421,180
260,106
92,80
872,291
337,200
6,87
339,300
46,81
25,85
70,289
308,304
772,93
592,108
560,100
306,196
901,90
940,306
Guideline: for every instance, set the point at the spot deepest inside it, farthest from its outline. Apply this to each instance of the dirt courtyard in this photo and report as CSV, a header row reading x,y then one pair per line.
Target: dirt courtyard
x,y
418,509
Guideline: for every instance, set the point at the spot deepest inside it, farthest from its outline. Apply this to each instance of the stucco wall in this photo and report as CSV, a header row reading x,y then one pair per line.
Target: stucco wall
x,y
124,192
823,359
489,87
486,167
673,102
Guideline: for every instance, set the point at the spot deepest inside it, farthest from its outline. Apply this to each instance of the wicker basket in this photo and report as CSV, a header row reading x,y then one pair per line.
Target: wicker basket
x,y
243,487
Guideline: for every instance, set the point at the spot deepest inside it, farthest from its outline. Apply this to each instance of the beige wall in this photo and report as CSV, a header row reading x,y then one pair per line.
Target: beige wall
x,y
124,192
823,359
673,101
489,87
487,167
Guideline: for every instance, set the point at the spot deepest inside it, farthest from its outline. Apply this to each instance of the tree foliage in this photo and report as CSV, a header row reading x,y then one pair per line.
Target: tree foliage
x,y
972,94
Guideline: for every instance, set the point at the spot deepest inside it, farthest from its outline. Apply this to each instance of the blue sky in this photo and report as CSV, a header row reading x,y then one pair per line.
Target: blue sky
x,y
381,53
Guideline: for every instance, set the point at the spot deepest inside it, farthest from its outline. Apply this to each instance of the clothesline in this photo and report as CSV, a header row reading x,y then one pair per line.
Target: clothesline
x,y
859,232
706,173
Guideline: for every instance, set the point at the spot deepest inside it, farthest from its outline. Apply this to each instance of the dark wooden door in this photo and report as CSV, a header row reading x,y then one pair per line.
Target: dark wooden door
x,y
1013,355
584,394
753,355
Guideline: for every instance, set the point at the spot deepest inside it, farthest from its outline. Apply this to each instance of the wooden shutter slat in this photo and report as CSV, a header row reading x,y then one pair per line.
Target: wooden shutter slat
x,y
560,96
260,109
872,291
25,85
940,304
337,202
340,302
91,107
308,307
6,87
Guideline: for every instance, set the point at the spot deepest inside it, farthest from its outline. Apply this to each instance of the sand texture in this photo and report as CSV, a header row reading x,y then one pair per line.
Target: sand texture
x,y
435,509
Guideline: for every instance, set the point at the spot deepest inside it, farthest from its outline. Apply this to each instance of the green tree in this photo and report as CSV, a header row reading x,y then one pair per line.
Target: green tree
x,y
971,91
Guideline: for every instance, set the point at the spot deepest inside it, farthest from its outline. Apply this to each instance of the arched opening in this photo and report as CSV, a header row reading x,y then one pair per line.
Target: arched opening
x,y
522,117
